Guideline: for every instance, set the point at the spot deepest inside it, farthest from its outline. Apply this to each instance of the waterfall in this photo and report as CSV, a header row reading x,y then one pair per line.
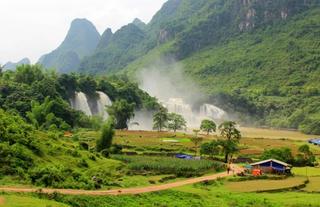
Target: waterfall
x,y
80,102
103,101
178,106
213,112
194,118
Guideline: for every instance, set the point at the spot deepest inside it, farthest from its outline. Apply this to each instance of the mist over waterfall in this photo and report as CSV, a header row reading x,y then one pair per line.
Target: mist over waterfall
x,y
80,103
194,117
178,93
91,106
103,101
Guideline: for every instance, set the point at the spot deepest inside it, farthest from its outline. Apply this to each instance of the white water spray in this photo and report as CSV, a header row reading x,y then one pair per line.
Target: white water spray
x,y
212,112
80,102
102,102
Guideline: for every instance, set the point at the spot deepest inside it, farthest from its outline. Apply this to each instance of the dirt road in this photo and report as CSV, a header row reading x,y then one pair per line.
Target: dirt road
x,y
125,191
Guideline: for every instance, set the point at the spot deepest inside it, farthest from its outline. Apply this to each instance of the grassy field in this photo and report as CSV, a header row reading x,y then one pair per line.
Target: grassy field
x,y
311,171
254,141
265,185
27,201
274,134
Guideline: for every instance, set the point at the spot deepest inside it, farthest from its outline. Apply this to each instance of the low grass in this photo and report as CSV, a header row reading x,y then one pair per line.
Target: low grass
x,y
313,185
310,171
27,201
274,134
265,185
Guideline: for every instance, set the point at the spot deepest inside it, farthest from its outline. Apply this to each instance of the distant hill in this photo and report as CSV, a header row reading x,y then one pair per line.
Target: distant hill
x,y
81,40
115,50
12,66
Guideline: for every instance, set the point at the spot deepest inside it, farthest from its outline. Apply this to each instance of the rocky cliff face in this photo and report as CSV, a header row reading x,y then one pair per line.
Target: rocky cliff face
x,y
228,18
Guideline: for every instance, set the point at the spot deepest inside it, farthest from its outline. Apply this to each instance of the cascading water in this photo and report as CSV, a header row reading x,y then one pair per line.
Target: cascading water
x,y
213,112
194,118
103,101
80,102
178,106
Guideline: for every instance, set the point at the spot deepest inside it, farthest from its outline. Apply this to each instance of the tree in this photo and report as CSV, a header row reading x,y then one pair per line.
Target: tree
x,y
176,122
306,157
210,148
160,119
107,133
28,74
88,85
231,137
196,141
208,126
1,69
122,111
282,154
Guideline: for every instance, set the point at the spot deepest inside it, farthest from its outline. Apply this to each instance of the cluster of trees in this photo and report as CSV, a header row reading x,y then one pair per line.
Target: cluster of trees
x,y
305,157
227,145
164,120
41,97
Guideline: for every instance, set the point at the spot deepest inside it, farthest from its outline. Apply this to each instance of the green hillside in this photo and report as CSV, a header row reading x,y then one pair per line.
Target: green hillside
x,y
266,75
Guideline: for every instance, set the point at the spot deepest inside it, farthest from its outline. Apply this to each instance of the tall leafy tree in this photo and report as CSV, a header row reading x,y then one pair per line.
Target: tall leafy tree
x,y
306,156
210,148
208,126
176,122
160,119
122,111
107,134
28,74
196,140
231,137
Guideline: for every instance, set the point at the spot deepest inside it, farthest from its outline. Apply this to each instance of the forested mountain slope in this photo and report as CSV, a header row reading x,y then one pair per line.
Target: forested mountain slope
x,y
260,59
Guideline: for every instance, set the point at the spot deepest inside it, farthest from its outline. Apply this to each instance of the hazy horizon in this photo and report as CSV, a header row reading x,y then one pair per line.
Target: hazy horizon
x,y
34,27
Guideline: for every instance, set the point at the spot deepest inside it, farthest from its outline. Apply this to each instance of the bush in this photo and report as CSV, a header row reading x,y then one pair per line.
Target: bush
x,y
116,149
105,153
84,146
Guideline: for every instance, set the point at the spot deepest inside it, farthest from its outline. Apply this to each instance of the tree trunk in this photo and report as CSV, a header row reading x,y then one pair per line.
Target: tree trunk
x,y
226,156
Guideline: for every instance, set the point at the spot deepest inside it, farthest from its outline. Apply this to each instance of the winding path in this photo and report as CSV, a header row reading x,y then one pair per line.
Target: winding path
x,y
125,191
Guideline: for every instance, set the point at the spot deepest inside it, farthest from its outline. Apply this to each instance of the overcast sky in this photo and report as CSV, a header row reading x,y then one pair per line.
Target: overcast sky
x,y
31,28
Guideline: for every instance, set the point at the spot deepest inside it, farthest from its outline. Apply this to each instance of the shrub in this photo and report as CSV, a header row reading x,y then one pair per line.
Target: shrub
x,y
84,146
116,149
105,153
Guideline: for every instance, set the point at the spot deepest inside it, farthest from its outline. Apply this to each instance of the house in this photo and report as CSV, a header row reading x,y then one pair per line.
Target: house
x,y
272,166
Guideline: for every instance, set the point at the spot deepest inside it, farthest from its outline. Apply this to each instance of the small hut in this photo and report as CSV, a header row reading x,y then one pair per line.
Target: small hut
x,y
272,166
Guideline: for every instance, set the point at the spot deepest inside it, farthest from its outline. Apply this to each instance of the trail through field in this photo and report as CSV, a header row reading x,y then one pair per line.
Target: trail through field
x,y
127,191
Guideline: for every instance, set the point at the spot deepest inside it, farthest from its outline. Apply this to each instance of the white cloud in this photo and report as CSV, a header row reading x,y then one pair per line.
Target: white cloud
x,y
31,28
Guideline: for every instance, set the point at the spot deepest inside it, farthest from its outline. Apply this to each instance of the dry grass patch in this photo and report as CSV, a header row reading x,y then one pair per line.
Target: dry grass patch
x,y
273,134
265,185
2,201
313,185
